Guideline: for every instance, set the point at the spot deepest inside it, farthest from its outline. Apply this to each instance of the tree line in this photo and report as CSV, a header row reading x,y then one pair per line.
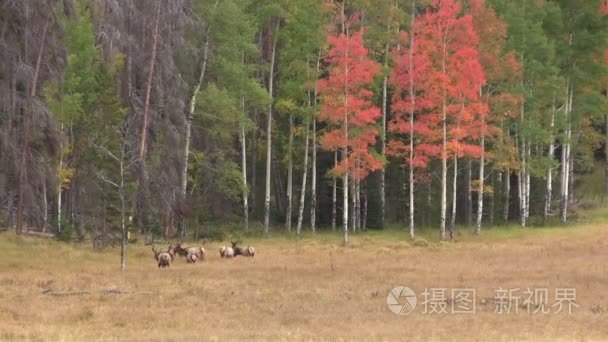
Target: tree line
x,y
170,115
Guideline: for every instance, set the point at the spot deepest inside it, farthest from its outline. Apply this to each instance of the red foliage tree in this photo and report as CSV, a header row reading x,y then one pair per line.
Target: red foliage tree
x,y
448,76
347,106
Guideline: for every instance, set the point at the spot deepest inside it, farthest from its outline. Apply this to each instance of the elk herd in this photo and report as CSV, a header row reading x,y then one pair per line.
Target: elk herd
x,y
194,254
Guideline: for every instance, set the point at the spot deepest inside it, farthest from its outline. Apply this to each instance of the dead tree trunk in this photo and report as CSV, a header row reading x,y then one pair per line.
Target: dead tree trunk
x,y
141,183
26,131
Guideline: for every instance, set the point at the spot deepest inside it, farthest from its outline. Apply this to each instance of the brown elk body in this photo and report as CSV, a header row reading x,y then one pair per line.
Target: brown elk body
x,y
244,251
226,252
164,259
189,252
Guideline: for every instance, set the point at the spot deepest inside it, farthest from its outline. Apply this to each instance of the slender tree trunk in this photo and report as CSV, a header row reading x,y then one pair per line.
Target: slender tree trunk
x,y
59,188
383,145
358,204
364,219
527,185
10,209
334,209
45,209
269,129
493,198
482,163
522,175
606,155
142,177
26,131
429,202
244,168
313,192
254,135
144,128
289,175
454,199
123,228
303,191
345,209
444,154
565,160
353,206
345,148
521,190
469,193
549,187
507,197
188,128
279,194
570,175
411,119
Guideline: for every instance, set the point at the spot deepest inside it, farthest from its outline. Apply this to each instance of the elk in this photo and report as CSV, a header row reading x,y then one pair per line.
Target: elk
x,y
244,251
192,254
226,252
164,259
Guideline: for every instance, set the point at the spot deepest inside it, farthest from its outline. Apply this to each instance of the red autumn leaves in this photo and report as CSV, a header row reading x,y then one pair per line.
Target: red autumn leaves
x,y
347,105
437,78
446,76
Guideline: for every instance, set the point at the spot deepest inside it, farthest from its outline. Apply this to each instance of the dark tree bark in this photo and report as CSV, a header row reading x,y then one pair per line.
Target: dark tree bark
x,y
23,176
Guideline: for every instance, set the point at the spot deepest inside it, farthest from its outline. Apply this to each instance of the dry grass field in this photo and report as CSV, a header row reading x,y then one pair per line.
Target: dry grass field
x,y
308,290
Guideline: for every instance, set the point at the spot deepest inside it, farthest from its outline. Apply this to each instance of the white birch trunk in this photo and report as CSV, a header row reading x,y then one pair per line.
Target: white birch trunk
x,y
289,175
303,191
313,192
353,206
244,169
334,209
444,155
549,187
507,196
189,119
59,190
269,131
411,120
454,199
383,147
482,163
565,160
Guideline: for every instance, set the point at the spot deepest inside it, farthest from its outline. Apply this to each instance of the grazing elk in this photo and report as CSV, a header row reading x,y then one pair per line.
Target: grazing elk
x,y
244,251
226,252
192,254
164,259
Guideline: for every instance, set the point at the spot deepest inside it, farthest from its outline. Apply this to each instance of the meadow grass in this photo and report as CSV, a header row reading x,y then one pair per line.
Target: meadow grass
x,y
306,289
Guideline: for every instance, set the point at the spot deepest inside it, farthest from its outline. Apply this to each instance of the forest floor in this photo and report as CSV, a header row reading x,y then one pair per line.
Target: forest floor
x,y
311,289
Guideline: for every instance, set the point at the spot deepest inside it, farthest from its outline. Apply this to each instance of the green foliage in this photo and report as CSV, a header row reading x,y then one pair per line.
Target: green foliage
x,y
229,180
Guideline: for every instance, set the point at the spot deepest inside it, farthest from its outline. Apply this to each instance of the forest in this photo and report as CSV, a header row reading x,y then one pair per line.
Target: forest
x,y
180,118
